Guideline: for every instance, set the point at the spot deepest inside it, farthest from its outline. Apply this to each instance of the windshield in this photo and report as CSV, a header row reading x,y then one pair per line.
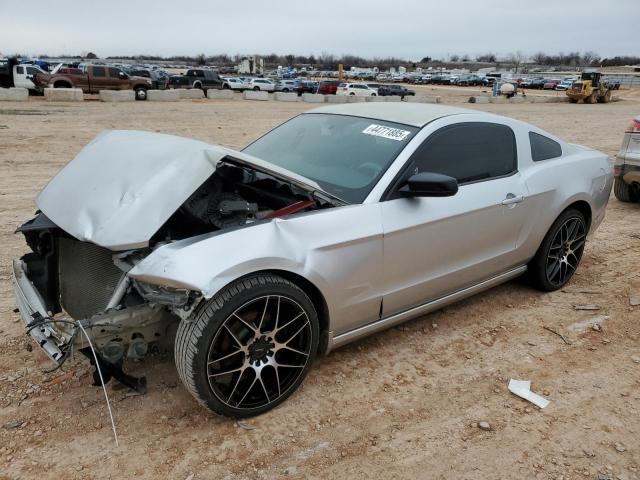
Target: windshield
x,y
344,155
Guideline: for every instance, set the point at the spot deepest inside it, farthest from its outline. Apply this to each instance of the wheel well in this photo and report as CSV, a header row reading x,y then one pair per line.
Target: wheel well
x,y
584,208
61,84
316,298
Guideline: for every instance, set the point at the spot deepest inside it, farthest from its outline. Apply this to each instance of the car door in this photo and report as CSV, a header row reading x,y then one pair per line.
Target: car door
x,y
437,246
98,79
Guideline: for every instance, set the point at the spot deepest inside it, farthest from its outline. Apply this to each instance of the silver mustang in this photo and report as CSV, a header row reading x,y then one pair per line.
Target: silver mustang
x,y
341,222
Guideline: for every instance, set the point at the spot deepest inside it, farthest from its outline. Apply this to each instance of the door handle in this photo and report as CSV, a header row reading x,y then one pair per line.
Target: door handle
x,y
512,199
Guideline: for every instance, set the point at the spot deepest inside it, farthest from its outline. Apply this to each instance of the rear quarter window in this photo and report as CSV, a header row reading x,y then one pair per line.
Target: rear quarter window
x,y
99,72
543,148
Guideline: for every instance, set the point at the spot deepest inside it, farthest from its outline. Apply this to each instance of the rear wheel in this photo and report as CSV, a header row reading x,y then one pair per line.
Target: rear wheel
x,y
573,100
623,191
141,93
607,97
248,348
256,89
560,253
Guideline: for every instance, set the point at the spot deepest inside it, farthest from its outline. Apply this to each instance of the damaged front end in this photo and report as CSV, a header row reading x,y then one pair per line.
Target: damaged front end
x,y
124,196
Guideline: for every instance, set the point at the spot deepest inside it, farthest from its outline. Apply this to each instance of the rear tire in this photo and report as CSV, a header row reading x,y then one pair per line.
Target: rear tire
x,y
141,93
270,322
256,89
623,191
559,255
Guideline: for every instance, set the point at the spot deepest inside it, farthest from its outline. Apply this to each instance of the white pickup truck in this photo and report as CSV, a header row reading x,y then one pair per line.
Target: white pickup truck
x,y
22,75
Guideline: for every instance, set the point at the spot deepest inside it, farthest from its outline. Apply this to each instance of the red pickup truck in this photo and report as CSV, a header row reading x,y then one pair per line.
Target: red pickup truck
x,y
93,78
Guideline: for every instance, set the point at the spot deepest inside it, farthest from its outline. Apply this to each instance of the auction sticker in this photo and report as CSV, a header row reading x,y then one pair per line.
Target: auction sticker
x,y
386,132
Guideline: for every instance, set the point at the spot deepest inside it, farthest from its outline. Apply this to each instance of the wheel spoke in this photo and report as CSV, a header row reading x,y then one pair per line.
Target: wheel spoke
x,y
235,352
299,352
264,312
286,365
233,390
289,322
248,390
253,329
577,244
233,336
264,388
297,332
554,270
275,369
227,372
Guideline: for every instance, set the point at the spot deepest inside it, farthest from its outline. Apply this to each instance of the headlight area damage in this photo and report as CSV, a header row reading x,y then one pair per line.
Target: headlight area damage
x,y
124,196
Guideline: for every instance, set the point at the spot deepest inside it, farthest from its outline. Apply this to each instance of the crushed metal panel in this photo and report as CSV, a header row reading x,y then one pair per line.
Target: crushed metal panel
x,y
124,185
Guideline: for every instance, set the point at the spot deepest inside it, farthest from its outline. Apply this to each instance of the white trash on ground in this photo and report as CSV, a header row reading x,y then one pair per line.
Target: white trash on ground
x,y
522,388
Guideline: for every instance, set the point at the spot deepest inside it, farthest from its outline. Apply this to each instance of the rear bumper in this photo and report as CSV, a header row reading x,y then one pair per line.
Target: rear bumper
x,y
31,307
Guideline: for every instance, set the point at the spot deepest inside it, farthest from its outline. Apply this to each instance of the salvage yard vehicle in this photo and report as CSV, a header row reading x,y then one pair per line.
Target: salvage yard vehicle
x,y
23,76
234,83
395,90
355,89
196,78
93,78
261,85
341,222
626,168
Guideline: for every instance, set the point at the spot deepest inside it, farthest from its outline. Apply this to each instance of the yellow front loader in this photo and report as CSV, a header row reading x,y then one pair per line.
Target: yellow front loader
x,y
590,89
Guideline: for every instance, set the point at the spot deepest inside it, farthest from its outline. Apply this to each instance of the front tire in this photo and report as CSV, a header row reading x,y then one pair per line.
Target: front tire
x,y
248,349
559,255
623,191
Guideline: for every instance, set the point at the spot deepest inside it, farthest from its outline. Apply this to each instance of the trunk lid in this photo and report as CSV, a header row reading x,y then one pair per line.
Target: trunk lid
x,y
124,185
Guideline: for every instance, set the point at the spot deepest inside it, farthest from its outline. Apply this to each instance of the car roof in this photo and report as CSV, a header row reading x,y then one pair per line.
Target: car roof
x,y
415,114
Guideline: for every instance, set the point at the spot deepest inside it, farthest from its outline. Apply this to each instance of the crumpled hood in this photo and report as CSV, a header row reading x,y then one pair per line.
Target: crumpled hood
x,y
124,185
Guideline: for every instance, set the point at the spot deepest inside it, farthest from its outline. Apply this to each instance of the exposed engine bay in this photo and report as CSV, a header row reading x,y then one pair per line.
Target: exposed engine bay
x,y
234,196
78,281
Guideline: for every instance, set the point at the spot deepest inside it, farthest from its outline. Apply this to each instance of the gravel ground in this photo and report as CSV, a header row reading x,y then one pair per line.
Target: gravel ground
x,y
406,403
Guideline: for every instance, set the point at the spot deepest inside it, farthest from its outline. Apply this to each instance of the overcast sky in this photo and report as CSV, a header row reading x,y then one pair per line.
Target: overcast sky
x,y
410,29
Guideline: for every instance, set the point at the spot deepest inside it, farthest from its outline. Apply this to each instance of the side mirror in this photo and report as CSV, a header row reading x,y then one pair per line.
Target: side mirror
x,y
427,184
122,75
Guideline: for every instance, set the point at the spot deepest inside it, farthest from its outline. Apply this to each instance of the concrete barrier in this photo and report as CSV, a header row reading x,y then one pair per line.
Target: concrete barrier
x,y
517,99
14,94
191,94
217,94
63,94
313,98
375,99
251,95
480,99
392,98
117,95
285,97
337,99
172,95
499,99
356,99
426,99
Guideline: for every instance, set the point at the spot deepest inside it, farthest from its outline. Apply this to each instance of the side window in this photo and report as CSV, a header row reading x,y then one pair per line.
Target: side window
x,y
468,152
32,71
99,72
113,72
543,148
19,70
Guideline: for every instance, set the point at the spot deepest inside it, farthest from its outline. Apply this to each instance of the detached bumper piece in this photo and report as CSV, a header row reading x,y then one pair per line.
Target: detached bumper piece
x,y
32,311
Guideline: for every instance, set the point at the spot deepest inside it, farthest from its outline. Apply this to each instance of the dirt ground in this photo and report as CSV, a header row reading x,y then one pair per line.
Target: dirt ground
x,y
401,404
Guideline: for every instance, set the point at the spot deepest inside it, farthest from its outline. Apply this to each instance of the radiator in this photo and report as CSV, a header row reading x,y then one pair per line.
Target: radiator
x,y
88,277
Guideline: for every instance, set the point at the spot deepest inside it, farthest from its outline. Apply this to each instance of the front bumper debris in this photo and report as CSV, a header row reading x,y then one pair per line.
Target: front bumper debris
x,y
32,309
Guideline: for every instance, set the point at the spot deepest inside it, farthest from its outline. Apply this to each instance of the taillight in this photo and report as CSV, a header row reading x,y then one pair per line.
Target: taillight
x,y
634,126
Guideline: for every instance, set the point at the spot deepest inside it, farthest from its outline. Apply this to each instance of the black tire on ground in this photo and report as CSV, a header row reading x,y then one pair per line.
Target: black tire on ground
x,y
141,93
607,97
226,86
623,191
209,323
542,267
573,100
62,85
256,89
352,93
